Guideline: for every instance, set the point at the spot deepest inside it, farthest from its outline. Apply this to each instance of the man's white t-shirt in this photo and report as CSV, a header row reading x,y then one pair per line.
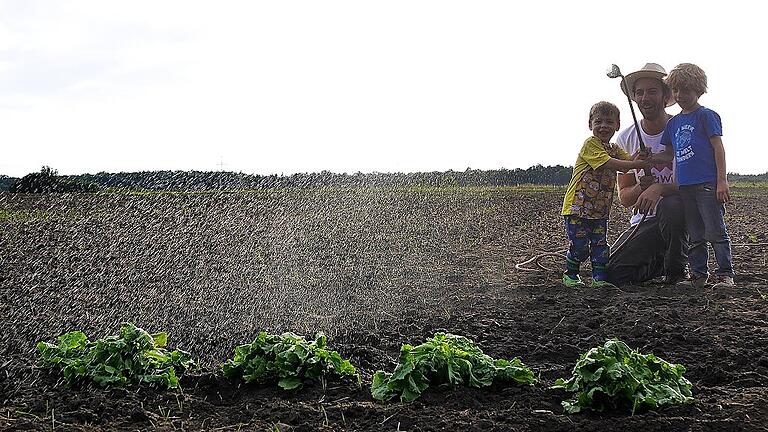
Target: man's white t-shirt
x,y
663,173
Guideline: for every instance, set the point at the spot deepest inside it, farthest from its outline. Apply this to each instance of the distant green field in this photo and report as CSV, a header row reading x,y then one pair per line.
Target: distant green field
x,y
757,185
22,215
741,188
527,188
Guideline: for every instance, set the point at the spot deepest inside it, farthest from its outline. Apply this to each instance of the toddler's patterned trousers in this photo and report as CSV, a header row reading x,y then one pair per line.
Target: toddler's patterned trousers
x,y
587,239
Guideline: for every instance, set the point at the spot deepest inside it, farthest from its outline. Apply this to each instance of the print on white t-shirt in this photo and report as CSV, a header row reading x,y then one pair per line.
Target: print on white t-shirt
x,y
663,173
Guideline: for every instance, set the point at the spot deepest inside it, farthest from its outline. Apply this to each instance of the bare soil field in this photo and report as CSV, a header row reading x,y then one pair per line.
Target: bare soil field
x,y
373,269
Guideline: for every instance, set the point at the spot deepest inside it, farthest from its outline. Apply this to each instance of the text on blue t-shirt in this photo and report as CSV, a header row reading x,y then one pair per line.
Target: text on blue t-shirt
x,y
689,135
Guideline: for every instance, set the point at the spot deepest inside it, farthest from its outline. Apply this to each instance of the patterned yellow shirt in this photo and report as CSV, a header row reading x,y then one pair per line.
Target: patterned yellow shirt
x,y
590,191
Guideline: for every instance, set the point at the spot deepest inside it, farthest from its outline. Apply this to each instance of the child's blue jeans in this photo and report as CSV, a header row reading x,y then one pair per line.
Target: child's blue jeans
x,y
704,216
587,239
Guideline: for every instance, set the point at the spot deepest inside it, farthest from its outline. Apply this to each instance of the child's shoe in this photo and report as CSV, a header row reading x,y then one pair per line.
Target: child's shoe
x,y
572,282
602,284
723,282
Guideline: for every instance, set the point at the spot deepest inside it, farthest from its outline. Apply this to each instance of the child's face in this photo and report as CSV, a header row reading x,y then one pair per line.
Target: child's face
x,y
603,126
687,99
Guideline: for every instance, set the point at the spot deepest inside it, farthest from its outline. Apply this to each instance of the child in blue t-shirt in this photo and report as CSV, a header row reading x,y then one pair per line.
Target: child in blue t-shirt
x,y
694,139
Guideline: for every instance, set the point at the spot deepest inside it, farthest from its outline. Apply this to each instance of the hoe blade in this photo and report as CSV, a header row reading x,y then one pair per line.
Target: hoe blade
x,y
613,71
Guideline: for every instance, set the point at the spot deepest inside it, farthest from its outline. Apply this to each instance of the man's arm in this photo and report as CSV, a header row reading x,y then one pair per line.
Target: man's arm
x,y
723,190
629,189
632,194
667,189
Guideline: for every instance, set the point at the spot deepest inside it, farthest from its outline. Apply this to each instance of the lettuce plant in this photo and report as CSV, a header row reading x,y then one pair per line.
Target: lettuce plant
x,y
614,376
445,359
133,357
287,359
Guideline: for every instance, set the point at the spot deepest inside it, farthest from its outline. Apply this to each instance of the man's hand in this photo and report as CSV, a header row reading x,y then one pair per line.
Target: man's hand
x,y
647,200
723,191
646,181
663,157
643,155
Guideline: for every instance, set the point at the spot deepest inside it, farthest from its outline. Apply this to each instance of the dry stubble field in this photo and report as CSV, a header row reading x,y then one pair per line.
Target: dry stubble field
x,y
372,269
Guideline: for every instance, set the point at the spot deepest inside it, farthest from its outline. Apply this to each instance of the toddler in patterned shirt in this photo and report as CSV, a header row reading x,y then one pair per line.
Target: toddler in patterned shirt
x,y
588,199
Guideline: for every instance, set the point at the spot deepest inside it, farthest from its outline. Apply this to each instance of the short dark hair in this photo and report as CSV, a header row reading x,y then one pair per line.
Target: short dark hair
x,y
603,107
688,76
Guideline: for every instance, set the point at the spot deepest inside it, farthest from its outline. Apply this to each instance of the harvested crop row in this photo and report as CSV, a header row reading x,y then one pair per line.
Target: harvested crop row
x,y
609,377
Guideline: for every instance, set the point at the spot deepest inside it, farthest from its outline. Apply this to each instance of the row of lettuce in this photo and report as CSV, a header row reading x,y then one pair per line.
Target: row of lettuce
x,y
607,377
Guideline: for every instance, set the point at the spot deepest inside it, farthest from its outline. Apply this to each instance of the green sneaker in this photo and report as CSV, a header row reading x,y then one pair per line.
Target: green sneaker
x,y
572,282
602,284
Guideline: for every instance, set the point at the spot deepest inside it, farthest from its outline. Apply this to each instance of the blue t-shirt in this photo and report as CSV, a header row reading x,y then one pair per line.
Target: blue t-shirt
x,y
689,135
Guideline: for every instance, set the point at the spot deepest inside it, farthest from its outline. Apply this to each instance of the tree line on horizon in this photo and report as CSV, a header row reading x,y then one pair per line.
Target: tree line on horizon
x,y
48,180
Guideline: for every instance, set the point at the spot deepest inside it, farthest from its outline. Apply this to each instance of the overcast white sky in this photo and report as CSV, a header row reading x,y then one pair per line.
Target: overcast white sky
x,y
347,86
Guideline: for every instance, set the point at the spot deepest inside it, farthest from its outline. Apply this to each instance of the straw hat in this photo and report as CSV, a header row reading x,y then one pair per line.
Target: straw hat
x,y
650,70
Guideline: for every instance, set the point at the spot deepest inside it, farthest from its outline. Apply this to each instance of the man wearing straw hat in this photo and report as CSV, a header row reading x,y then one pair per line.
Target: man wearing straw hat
x,y
659,247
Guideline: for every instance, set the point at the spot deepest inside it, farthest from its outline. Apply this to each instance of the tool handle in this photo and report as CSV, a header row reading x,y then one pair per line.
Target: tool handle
x,y
634,117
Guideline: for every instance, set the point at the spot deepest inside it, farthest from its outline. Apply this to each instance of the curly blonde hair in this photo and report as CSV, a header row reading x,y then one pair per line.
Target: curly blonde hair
x,y
603,108
688,76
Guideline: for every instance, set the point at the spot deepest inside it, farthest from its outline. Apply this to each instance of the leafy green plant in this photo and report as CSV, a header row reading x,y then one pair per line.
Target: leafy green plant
x,y
445,359
614,376
134,356
288,359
